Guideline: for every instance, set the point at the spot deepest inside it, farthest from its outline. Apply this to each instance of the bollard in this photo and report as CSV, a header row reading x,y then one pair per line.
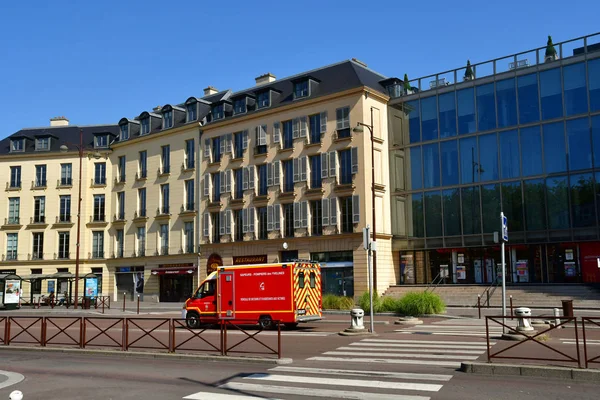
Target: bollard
x,y
488,298
138,304
103,305
479,305
124,294
556,317
16,395
511,308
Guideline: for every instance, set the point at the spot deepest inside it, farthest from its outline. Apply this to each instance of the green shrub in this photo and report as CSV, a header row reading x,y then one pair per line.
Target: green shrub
x,y
364,302
420,303
333,302
389,304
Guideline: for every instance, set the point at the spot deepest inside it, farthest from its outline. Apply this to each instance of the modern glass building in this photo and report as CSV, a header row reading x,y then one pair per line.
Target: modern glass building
x,y
519,135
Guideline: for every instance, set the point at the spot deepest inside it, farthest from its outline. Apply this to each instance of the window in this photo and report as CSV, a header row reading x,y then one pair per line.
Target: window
x,y
42,144
343,122
142,202
417,229
98,244
120,242
554,148
192,111
238,144
100,173
288,138
491,207
288,220
575,89
506,97
509,154
121,169
345,160
188,230
218,112
451,203
141,241
239,181
582,201
431,165
551,94
488,157
596,141
38,246
301,89
145,126
17,145
449,152
101,141
190,152
239,106
288,176
316,217
99,207
416,171
346,213
189,195
469,165
529,108
262,180
164,239
470,210
66,174
535,205
216,224
216,149
433,211
216,186
165,159
168,120
447,115
164,194
39,209
121,205
315,128
466,111
262,223
143,164
12,243
429,121
239,225
411,108
65,209
512,205
578,135
264,99
486,107
15,177
63,245
594,84
124,132
14,210
40,176
531,159
315,172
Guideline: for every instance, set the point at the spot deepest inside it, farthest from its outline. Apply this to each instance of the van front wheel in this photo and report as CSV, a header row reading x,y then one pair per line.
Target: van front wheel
x,y
265,322
192,320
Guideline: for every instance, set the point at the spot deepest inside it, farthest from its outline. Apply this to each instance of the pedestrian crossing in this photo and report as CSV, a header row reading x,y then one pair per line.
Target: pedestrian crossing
x,y
452,330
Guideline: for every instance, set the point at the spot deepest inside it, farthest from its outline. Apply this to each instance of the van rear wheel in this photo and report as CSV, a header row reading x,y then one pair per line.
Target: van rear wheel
x,y
265,322
192,320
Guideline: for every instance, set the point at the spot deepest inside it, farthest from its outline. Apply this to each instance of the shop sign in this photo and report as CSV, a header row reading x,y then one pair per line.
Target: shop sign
x,y
461,272
182,265
214,261
570,269
8,271
242,260
12,291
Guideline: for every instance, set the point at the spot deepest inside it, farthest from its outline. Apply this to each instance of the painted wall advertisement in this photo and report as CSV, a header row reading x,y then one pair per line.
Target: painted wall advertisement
x,y
570,269
91,287
461,272
12,291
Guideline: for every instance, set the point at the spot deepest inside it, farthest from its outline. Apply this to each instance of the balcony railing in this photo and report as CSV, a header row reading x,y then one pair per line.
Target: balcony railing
x,y
141,175
63,219
97,254
63,255
99,181
37,255
164,210
119,216
41,183
13,185
120,252
120,179
11,221
39,219
189,207
164,250
97,218
140,253
139,214
64,182
189,248
11,255
165,170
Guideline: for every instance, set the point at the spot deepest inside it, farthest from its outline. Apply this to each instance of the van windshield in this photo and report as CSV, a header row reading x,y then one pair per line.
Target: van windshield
x,y
207,289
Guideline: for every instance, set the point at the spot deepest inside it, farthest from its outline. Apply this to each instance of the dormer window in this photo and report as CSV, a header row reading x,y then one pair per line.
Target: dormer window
x,y
301,89
42,144
239,106
101,141
145,126
124,132
17,145
168,120
217,112
192,112
264,99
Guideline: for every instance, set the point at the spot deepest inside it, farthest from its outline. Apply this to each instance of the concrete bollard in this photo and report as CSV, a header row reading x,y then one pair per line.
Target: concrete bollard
x,y
523,324
16,395
357,326
556,317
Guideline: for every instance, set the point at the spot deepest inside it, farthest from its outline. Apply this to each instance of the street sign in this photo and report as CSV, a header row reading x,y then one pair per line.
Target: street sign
x,y
504,227
366,238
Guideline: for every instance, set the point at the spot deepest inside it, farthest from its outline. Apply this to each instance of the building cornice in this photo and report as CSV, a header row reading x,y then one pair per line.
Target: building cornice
x,y
141,139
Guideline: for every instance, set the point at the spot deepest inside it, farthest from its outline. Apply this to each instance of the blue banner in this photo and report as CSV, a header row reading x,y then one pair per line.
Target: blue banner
x,y
91,287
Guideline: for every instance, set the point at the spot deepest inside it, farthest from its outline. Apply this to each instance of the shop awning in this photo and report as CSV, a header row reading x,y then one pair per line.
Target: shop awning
x,y
173,271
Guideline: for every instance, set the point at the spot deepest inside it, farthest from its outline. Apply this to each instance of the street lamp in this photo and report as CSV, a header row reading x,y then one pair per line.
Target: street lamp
x,y
96,155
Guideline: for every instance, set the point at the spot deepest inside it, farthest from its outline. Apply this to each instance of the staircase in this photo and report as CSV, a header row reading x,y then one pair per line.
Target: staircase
x,y
533,295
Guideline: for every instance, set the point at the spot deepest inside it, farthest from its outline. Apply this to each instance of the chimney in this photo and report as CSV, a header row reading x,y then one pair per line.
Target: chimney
x,y
266,78
59,121
157,109
210,90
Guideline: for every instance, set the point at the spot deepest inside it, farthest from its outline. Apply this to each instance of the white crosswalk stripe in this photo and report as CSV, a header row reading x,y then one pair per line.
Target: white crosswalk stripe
x,y
470,330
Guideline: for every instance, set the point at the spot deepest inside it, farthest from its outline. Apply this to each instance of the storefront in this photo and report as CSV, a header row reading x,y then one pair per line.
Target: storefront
x,y
175,282
130,280
337,272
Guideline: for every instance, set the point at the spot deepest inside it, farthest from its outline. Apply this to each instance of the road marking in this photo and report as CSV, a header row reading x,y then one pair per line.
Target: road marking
x,y
450,333
398,375
12,378
387,361
421,341
413,350
573,342
327,393
401,355
221,396
429,346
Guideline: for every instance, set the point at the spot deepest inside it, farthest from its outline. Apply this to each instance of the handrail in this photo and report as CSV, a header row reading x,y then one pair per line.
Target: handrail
x,y
489,292
435,282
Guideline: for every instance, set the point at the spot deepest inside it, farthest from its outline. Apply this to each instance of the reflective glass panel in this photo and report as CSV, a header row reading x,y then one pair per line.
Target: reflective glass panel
x,y
429,122
486,107
529,108
447,115
594,83
416,205
535,205
449,163
451,200
512,205
468,160
575,89
416,176
558,202
555,156
433,214
596,140
578,135
582,200
598,192
531,156
551,94
414,121
470,209
431,165
466,111
506,96
488,157
509,154
490,204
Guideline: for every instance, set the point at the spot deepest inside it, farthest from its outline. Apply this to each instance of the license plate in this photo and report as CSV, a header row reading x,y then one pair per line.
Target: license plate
x,y
301,312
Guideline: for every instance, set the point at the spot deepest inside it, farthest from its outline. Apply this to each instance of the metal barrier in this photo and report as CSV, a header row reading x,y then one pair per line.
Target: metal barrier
x,y
8,339
196,334
62,330
147,332
103,332
596,322
226,349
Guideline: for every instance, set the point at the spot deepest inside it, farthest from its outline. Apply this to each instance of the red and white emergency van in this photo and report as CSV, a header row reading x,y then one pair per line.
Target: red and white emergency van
x,y
260,293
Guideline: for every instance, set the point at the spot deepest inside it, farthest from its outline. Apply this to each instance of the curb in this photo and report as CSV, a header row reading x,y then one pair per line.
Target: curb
x,y
164,356
540,371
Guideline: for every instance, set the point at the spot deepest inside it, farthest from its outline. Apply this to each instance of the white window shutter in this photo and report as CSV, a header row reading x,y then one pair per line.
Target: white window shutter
x,y
206,185
270,174
229,138
324,165
296,169
245,178
222,222
323,122
354,160
355,209
295,128
251,177
263,135
305,214
333,215
303,126
325,211
276,132
207,149
297,216
338,119
276,173
228,222
244,142
269,218
222,141
245,220
228,174
332,164
223,180
277,217
303,169
251,220
206,221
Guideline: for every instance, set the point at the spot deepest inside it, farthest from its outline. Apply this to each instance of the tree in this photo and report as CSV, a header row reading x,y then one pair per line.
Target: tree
x,y
550,50
469,72
406,85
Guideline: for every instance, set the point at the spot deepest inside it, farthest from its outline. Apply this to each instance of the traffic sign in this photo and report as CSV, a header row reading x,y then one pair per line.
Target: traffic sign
x,y
504,227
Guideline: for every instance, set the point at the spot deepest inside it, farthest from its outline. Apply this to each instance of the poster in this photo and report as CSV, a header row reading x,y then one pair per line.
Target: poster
x,y
444,271
138,281
91,287
461,258
12,291
570,269
407,268
461,272
51,286
569,254
522,268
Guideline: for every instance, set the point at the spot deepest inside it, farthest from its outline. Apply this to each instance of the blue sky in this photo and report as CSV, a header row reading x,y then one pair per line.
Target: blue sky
x,y
98,61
